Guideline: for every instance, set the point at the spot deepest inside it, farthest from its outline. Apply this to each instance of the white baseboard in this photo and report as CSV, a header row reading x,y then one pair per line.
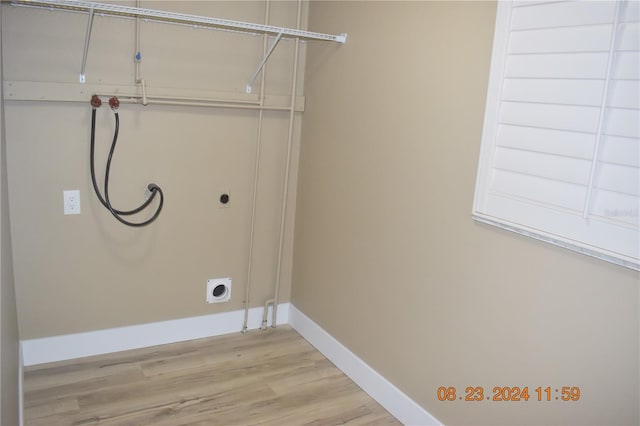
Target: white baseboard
x,y
384,392
71,346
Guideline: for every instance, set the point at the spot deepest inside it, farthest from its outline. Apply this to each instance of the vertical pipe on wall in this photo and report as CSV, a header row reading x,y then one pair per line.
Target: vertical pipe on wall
x,y
267,12
138,58
292,113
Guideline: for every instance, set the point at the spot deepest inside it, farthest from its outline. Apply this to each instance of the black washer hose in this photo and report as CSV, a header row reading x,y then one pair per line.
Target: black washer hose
x,y
152,187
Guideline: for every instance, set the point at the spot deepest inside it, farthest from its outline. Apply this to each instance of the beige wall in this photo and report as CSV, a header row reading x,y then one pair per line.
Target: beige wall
x,y
9,351
88,272
387,257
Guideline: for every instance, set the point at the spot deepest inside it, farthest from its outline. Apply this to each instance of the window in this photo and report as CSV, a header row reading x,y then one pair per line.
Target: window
x,y
560,154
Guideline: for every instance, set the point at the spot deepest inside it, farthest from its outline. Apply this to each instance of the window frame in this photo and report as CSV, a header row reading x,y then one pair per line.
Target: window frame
x,y
488,149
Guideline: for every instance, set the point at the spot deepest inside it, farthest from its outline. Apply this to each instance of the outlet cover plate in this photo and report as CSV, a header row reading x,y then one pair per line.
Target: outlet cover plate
x,y
71,199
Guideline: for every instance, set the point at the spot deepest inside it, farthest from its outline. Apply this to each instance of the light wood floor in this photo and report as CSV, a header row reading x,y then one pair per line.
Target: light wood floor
x,y
268,378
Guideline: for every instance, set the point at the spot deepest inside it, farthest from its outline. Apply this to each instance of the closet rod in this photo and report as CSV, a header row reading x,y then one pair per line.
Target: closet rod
x,y
181,18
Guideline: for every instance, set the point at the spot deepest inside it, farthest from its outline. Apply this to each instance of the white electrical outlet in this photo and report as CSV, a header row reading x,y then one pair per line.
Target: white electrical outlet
x,y
218,290
71,201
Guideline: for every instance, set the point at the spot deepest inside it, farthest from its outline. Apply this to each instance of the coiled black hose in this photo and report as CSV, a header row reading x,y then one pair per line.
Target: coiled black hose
x,y
105,201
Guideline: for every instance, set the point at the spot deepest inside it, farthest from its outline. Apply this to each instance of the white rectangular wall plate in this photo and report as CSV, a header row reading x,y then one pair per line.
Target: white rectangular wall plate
x,y
71,200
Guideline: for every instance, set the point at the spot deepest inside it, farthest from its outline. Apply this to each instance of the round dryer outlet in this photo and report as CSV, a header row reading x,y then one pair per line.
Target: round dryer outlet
x,y
218,290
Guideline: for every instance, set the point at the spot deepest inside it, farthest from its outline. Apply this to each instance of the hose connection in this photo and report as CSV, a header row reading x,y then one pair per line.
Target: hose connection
x,y
114,103
96,102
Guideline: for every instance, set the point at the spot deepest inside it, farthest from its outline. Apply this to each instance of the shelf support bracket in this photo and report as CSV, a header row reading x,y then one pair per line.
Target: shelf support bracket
x,y
87,37
264,61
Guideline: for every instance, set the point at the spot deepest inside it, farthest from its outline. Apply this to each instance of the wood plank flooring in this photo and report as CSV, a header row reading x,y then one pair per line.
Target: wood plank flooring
x,y
273,377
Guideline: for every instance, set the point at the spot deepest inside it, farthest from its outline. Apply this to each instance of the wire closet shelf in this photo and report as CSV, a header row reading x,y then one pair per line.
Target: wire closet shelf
x,y
179,18
115,10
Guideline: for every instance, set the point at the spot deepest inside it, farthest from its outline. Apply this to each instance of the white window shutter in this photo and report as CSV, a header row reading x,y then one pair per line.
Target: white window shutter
x,y
560,155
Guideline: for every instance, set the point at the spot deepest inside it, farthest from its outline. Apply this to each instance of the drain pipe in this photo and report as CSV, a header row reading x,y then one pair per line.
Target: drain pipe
x,y
267,12
265,313
292,112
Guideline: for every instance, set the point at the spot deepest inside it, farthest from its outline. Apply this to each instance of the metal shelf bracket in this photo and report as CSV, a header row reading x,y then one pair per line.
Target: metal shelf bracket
x,y
87,37
264,60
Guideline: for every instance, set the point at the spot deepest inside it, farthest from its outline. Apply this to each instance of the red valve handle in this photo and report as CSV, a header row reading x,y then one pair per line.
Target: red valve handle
x,y
96,102
114,103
